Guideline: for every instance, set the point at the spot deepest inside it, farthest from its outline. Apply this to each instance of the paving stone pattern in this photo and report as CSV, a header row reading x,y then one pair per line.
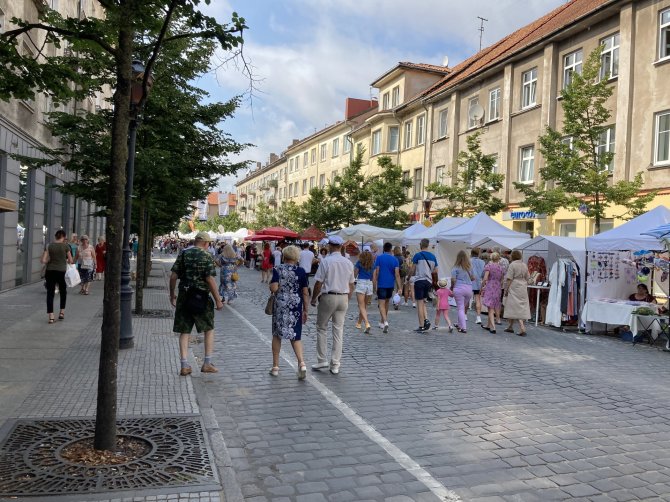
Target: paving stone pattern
x,y
551,416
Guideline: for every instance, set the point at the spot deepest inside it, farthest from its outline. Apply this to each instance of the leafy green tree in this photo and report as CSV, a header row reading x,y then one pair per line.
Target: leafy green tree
x,y
576,172
264,217
288,215
475,186
230,223
350,194
388,193
319,210
102,51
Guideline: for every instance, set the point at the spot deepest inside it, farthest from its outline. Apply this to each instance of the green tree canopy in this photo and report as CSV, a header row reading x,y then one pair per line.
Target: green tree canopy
x,y
319,210
349,194
388,193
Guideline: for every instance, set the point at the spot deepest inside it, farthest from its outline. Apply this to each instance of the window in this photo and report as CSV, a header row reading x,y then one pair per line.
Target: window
x,y
605,225
405,177
385,101
313,155
528,88
571,63
439,175
359,148
346,144
472,121
2,21
395,96
28,52
494,104
609,59
305,159
418,183
664,35
304,186
394,133
606,145
290,190
376,142
336,147
297,163
420,130
526,164
322,181
324,152
442,123
312,182
568,141
295,189
333,176
281,173
662,138
567,228
408,134
494,168
290,166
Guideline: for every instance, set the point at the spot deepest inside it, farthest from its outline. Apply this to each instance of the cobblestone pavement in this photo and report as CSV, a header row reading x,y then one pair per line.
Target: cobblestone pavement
x,y
440,416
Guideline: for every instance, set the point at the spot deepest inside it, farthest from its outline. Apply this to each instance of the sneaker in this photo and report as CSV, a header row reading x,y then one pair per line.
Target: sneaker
x,y
274,371
320,366
435,327
479,320
451,329
413,305
367,329
335,370
386,328
208,368
186,371
426,324
302,372
420,329
381,325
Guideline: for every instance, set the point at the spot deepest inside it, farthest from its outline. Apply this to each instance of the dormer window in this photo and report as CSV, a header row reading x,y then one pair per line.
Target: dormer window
x,y
395,96
385,101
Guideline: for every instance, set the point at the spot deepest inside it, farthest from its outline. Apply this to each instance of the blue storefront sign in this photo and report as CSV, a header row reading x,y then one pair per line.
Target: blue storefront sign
x,y
522,215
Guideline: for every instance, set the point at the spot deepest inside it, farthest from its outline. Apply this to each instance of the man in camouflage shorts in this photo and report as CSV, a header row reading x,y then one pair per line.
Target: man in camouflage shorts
x,y
195,268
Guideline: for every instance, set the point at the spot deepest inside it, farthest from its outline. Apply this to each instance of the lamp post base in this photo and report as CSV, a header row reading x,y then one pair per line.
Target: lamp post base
x,y
126,340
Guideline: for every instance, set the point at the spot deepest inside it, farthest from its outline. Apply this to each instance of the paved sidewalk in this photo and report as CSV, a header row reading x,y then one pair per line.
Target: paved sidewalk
x,y
51,370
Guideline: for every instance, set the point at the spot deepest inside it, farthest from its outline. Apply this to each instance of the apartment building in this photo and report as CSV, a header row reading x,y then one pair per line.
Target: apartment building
x,y
260,184
31,206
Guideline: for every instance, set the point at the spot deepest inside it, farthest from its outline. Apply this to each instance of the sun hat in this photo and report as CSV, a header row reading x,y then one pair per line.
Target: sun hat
x,y
442,282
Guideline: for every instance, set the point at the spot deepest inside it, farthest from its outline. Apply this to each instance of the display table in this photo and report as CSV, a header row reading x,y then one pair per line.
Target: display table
x,y
614,312
539,289
655,324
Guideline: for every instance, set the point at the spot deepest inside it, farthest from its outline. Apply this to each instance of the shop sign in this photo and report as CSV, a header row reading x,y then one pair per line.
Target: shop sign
x,y
522,215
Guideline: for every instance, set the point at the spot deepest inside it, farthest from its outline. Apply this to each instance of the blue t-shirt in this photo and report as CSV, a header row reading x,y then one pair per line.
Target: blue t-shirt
x,y
462,277
426,263
478,271
387,264
362,273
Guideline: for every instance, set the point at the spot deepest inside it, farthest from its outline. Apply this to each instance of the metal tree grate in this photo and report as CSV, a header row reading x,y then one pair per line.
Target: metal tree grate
x,y
31,464
155,313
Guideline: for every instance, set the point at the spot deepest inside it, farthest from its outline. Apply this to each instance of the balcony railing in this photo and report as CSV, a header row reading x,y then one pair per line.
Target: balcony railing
x,y
273,183
243,194
243,209
272,201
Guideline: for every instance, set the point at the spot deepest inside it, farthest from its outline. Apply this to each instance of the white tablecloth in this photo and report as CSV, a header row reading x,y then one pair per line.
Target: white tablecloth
x,y
607,312
639,322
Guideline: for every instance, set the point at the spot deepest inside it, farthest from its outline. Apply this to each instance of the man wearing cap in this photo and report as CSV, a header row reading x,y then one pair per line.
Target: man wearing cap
x,y
333,288
195,268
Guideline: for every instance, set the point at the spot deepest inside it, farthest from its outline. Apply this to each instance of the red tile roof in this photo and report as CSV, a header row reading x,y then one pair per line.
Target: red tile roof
x,y
516,42
443,70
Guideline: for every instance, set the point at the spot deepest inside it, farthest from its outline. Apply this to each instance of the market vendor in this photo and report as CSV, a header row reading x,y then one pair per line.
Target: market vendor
x,y
642,295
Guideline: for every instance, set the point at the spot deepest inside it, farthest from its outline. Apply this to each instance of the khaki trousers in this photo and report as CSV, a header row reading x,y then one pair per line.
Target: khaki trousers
x,y
330,307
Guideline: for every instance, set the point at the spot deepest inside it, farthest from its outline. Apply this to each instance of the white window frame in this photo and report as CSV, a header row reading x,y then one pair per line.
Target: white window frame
x,y
393,146
439,174
297,163
609,59
406,176
663,34
336,147
312,182
290,190
290,165
529,88
572,62
346,144
527,164
395,96
661,136
408,133
322,180
332,176
305,160
376,142
385,101
313,155
323,152
494,104
417,184
606,142
472,123
563,223
421,129
443,123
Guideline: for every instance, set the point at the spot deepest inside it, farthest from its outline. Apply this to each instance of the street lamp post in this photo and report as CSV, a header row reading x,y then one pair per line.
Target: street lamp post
x,y
426,207
137,93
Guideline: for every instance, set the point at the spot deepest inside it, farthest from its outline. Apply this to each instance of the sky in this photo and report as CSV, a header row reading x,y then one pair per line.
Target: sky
x,y
308,56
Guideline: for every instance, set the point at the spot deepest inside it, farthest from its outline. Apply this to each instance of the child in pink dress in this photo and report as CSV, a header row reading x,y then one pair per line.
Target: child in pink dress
x,y
443,293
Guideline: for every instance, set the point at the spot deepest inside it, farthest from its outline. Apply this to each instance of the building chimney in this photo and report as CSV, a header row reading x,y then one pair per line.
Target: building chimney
x,y
353,106
273,158
295,141
259,165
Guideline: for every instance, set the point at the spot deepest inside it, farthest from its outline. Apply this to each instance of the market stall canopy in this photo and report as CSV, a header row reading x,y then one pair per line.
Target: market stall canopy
x,y
364,233
477,228
312,234
431,232
629,236
280,231
502,242
409,233
265,237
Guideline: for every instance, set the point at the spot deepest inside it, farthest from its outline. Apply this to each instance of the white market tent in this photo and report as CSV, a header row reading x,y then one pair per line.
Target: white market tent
x,y
502,242
627,237
365,233
409,233
431,233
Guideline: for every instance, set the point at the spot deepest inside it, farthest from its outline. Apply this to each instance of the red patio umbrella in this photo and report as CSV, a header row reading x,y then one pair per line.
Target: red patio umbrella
x,y
281,231
312,234
265,237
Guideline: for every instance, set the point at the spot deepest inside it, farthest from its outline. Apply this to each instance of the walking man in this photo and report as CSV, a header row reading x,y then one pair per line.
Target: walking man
x,y
333,288
196,272
385,279
424,270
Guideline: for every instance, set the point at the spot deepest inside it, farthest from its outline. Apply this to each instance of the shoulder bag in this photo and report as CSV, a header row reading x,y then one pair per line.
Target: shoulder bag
x,y
270,305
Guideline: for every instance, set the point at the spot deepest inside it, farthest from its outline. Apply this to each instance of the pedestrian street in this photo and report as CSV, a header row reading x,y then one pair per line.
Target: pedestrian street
x,y
439,416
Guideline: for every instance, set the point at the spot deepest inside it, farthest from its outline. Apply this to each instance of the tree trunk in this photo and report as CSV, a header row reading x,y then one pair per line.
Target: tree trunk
x,y
141,258
149,246
105,418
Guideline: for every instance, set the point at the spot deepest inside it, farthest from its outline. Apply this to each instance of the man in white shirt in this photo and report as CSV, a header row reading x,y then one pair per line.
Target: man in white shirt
x,y
277,255
306,258
333,288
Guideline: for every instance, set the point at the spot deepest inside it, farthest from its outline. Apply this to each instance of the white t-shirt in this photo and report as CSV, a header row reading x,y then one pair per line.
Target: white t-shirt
x,y
277,254
305,261
336,273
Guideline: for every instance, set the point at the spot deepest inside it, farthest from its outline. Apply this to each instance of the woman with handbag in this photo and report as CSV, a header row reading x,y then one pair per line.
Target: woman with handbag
x,y
56,257
228,278
86,260
101,255
290,291
517,306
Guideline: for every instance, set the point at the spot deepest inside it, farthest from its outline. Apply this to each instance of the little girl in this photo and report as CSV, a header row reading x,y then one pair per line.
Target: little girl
x,y
443,294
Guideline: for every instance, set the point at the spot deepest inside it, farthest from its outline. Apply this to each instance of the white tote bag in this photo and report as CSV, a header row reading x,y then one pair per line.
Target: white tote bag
x,y
72,276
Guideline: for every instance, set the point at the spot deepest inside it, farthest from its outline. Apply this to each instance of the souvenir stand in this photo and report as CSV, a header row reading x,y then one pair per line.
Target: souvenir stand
x,y
564,262
618,260
660,324
365,233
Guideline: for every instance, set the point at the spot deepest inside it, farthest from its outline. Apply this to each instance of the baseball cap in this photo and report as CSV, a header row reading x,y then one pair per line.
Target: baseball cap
x,y
203,236
335,240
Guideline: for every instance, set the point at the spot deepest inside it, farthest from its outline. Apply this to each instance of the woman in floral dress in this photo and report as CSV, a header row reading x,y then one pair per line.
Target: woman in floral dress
x,y
227,260
492,286
290,287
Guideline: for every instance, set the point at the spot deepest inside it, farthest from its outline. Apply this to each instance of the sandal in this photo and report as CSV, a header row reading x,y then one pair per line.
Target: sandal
x,y
61,316
367,329
508,330
51,320
274,371
302,371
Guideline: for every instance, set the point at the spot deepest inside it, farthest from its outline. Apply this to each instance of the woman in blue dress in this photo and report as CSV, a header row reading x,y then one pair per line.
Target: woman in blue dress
x,y
227,260
290,287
